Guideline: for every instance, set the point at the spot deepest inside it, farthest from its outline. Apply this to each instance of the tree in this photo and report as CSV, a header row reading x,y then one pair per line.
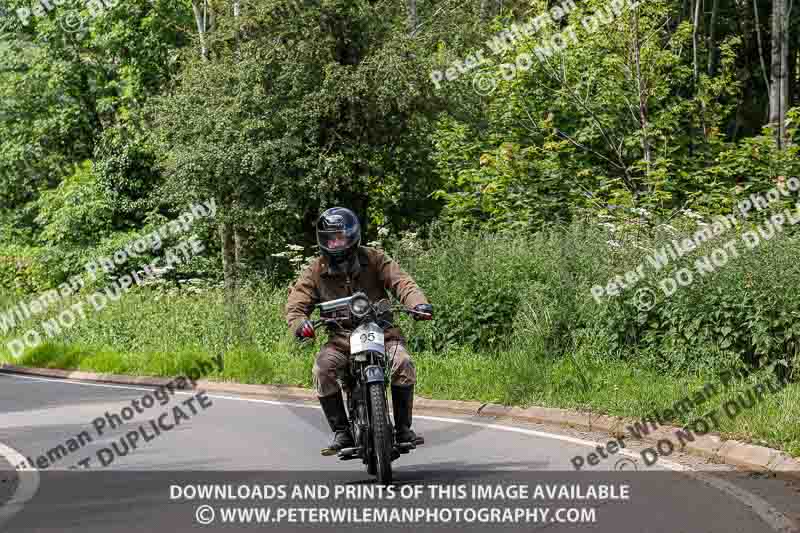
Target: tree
x,y
413,21
779,86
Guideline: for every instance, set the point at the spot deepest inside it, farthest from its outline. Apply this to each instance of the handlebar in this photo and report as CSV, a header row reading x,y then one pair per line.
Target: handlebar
x,y
343,303
396,308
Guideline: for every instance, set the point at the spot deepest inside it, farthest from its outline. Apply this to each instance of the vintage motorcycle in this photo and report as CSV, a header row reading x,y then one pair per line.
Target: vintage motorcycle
x,y
365,380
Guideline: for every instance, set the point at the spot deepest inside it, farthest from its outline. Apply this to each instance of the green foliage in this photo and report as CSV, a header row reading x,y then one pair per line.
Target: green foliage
x,y
742,310
298,107
22,269
76,213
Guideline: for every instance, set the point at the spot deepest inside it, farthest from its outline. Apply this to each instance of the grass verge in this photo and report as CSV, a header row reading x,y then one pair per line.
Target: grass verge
x,y
186,329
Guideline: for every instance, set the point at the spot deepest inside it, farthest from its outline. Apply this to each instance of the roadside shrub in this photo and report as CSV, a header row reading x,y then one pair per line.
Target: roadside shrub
x,y
472,281
22,269
749,305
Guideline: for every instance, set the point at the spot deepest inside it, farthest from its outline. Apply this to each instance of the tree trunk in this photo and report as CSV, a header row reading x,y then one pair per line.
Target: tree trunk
x,y
695,45
778,86
202,17
695,28
236,14
794,80
642,90
760,46
234,326
232,243
411,12
712,46
237,239
229,264
794,52
785,72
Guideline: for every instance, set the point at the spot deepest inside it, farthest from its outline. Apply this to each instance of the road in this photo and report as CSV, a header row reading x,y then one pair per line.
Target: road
x,y
143,474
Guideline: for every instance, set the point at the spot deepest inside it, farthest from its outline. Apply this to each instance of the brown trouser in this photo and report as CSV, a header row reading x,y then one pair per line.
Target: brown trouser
x,y
331,360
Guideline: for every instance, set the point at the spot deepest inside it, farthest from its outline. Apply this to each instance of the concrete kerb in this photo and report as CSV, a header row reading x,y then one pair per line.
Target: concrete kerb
x,y
748,456
707,446
78,375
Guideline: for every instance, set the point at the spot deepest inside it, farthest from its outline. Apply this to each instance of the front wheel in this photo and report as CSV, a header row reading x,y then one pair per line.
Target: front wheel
x,y
382,437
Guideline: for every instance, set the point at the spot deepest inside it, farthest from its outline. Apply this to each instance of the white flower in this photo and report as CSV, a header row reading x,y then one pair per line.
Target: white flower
x,y
294,247
670,228
383,232
691,214
614,244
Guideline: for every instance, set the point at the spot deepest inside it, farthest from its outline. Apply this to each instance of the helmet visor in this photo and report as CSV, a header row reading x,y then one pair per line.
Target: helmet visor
x,y
336,241
338,232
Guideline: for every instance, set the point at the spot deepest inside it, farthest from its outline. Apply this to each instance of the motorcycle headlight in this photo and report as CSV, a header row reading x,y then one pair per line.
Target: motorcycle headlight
x,y
359,306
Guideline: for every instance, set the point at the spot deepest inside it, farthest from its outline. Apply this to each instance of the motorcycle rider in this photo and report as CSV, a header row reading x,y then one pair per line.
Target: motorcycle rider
x,y
343,268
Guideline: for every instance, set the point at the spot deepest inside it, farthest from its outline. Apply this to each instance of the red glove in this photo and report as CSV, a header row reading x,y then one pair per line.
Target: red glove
x,y
427,309
305,330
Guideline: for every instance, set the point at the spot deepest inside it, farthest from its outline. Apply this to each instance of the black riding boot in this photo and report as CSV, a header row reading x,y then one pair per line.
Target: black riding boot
x,y
403,406
333,407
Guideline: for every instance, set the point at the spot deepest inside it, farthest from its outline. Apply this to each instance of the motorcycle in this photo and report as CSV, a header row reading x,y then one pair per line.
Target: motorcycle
x,y
365,380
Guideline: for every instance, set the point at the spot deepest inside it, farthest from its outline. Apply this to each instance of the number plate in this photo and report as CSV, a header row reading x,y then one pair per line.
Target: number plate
x,y
374,374
367,337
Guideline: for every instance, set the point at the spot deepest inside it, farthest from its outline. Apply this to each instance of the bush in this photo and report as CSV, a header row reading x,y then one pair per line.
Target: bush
x,y
22,269
747,308
494,292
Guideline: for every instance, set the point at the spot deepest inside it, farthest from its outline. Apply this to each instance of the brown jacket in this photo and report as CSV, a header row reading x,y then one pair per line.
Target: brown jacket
x,y
371,271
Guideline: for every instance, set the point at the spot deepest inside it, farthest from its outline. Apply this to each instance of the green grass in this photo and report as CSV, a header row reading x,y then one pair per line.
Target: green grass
x,y
561,351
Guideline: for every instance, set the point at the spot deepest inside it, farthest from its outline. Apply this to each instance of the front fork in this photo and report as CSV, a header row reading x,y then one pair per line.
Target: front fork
x,y
356,388
377,374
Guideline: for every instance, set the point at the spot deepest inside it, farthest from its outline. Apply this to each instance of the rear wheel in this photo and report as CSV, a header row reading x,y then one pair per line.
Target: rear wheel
x,y
381,435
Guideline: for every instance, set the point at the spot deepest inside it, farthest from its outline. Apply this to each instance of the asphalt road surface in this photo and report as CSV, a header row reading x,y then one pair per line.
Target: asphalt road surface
x,y
105,458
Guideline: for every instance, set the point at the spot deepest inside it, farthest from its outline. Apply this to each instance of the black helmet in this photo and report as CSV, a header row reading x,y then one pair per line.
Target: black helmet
x,y
338,232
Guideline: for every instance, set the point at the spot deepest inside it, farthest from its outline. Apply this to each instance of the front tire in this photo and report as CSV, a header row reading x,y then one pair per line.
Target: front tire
x,y
382,437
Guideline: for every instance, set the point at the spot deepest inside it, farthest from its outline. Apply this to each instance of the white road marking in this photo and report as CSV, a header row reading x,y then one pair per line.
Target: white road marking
x,y
771,516
28,484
